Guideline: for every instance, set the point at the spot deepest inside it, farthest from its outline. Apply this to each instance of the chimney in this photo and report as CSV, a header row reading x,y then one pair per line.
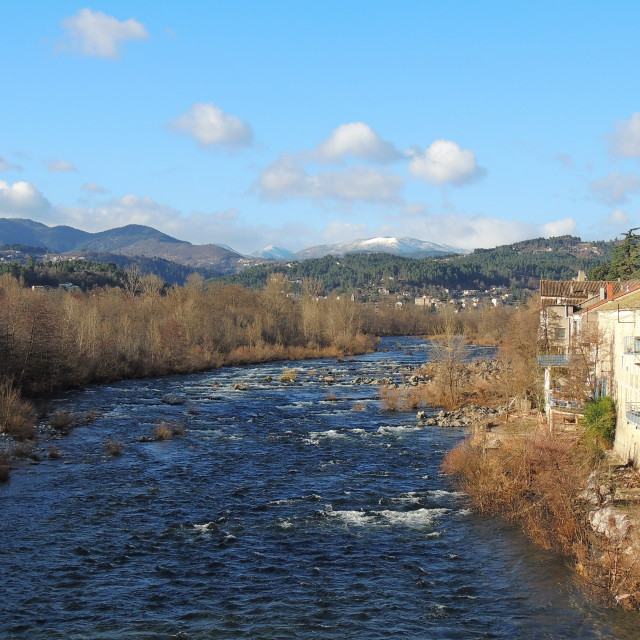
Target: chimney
x,y
609,290
602,293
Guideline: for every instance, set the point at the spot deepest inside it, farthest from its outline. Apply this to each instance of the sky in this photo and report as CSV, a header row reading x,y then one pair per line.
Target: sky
x,y
254,123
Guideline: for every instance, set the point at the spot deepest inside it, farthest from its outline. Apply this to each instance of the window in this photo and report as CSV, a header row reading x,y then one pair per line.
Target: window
x,y
560,334
632,344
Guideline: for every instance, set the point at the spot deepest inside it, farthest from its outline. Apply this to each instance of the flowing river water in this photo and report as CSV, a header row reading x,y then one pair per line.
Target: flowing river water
x,y
285,511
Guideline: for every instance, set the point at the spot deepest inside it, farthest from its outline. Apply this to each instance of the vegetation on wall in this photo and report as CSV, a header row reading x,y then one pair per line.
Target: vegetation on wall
x,y
600,420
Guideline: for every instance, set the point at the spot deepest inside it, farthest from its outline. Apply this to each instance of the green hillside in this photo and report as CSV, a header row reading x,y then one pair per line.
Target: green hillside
x,y
521,265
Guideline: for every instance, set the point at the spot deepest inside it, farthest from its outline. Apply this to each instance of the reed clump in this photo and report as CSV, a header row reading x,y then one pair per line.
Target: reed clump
x,y
166,429
63,420
17,416
113,447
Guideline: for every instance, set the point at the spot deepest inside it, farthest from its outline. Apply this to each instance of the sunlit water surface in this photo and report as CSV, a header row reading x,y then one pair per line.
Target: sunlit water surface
x,y
286,511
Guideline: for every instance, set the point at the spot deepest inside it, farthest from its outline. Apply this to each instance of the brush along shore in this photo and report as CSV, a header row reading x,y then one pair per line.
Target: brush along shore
x,y
563,495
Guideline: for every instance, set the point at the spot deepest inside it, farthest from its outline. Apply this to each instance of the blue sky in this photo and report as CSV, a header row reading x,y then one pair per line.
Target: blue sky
x,y
252,123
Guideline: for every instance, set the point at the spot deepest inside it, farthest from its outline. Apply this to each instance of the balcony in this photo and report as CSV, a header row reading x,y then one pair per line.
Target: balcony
x,y
563,403
633,413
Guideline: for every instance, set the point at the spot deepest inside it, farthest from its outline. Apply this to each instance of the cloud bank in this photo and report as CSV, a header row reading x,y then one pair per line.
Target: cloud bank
x,y
285,179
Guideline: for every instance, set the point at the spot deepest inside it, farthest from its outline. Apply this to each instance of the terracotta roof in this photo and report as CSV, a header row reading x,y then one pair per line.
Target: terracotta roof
x,y
576,292
570,288
624,300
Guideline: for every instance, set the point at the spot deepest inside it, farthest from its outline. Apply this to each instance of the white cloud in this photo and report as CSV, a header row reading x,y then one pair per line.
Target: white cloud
x,y
210,126
618,218
129,209
59,166
615,188
444,162
356,140
625,139
562,227
92,187
284,179
22,198
96,34
8,166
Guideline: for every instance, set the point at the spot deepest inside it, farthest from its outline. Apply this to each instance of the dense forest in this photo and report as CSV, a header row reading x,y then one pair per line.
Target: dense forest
x,y
35,265
519,265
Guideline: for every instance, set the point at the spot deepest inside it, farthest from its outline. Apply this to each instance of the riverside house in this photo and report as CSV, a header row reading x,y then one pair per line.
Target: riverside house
x,y
594,329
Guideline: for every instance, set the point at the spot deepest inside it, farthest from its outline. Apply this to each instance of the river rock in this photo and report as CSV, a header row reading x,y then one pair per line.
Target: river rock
x,y
610,523
174,398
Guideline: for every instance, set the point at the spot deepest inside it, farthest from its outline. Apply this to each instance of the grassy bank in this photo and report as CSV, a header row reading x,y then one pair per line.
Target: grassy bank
x,y
562,496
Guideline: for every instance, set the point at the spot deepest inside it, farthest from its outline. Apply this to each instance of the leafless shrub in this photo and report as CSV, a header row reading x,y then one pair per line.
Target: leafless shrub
x,y
391,397
62,420
16,415
113,447
532,479
164,431
23,450
54,453
332,397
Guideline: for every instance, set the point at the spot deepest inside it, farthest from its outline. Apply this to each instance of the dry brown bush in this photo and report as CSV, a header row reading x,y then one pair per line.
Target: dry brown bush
x,y
391,397
62,420
113,447
164,431
289,376
532,479
17,416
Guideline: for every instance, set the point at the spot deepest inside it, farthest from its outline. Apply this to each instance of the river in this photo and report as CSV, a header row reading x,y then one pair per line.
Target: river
x,y
301,510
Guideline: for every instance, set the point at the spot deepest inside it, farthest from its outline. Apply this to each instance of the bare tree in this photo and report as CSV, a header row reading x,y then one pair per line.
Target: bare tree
x,y
448,354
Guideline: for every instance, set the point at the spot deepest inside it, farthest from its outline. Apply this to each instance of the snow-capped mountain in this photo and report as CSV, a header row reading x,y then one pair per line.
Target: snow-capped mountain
x,y
409,247
272,252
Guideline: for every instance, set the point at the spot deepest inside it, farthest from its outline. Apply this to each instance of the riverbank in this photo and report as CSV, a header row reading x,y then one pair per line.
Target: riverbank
x,y
563,497
18,415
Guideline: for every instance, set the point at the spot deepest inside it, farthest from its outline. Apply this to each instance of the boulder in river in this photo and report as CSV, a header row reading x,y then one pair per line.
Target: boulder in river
x,y
174,398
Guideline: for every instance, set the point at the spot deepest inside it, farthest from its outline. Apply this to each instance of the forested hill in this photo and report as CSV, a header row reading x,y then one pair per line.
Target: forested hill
x,y
521,265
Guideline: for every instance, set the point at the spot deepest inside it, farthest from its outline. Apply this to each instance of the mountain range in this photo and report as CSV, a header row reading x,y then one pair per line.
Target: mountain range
x,y
139,240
